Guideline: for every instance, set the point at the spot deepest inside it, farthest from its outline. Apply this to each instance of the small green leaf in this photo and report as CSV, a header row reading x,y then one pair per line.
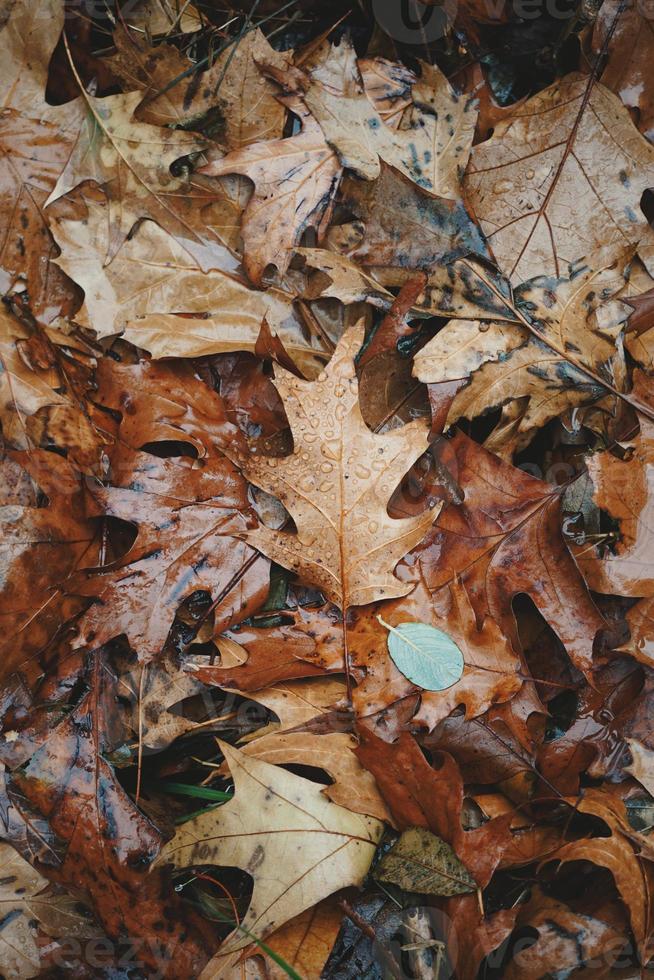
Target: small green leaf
x,y
421,862
425,655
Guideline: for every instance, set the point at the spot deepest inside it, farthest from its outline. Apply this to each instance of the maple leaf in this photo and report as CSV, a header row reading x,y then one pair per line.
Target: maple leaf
x,y
298,846
540,189
189,516
336,485
295,181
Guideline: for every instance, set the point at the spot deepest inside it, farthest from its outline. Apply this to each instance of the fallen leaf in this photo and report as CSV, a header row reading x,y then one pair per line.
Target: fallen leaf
x,y
131,161
108,842
505,362
426,230
42,546
432,144
425,655
298,847
339,479
187,516
234,97
152,280
295,180
628,32
538,186
421,862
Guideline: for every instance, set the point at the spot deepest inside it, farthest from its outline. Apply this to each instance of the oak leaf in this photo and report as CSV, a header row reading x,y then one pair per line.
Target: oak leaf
x,y
152,279
310,711
628,31
26,906
430,146
298,846
406,227
189,515
504,362
295,181
234,98
540,188
107,842
624,488
336,485
131,161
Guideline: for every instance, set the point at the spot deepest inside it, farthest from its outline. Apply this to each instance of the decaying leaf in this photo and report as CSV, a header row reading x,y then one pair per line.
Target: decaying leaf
x,y
421,862
25,909
277,820
539,186
294,184
188,517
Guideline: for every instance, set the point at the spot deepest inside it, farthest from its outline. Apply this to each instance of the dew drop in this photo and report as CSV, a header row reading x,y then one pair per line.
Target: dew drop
x,y
502,186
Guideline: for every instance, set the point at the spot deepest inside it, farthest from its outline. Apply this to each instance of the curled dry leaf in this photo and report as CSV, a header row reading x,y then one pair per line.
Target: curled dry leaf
x,y
277,820
539,186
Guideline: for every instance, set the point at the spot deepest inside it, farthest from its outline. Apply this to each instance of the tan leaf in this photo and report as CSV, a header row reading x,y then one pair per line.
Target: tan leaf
x,y
24,388
641,766
163,17
388,86
298,847
152,278
234,96
540,186
315,704
432,145
617,855
131,160
295,180
505,362
24,907
30,33
337,276
336,485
